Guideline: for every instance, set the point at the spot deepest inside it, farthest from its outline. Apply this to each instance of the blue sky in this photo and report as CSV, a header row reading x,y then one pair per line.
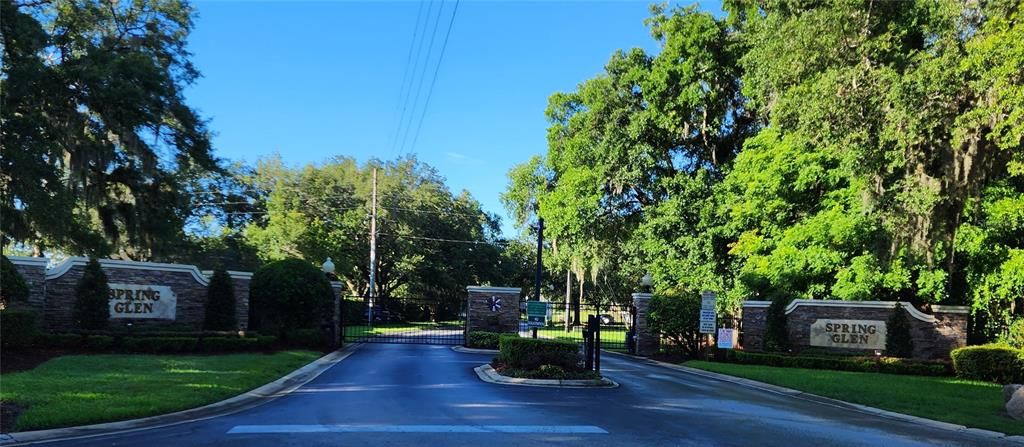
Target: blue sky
x,y
313,80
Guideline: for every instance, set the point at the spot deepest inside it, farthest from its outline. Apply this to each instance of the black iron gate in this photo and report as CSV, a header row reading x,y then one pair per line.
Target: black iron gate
x,y
417,320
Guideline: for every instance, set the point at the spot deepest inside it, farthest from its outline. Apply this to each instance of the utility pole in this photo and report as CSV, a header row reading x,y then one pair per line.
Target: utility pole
x,y
540,254
373,246
540,264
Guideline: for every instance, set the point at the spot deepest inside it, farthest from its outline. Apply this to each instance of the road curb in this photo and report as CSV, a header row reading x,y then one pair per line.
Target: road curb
x,y
931,423
489,375
466,350
244,401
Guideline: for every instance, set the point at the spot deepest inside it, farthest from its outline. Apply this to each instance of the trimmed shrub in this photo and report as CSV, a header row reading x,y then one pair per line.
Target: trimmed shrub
x,y
898,342
677,318
887,365
220,303
307,338
776,334
227,344
287,295
58,341
92,298
995,362
17,328
484,339
99,343
531,353
12,286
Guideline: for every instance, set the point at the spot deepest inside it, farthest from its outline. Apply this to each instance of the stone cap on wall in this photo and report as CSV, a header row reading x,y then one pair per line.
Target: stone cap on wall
x,y
929,318
29,260
65,266
234,274
491,289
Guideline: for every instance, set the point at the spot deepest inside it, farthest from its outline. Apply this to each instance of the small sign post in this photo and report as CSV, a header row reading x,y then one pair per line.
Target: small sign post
x,y
536,313
708,316
707,312
726,338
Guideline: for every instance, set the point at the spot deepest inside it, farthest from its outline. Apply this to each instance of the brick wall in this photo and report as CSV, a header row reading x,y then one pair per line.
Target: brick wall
x,y
934,335
52,291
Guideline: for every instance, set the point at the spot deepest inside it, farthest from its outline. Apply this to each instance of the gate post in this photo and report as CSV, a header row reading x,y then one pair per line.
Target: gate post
x,y
492,309
647,342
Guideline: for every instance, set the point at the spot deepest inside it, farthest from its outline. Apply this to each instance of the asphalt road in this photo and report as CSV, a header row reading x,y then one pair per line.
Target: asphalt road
x,y
401,395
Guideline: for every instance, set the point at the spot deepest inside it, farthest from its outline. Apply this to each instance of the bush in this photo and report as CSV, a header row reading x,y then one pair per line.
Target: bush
x,y
776,334
99,343
12,285
995,362
17,328
898,342
484,339
1015,334
287,295
307,338
92,298
677,318
58,341
220,303
228,344
531,353
887,365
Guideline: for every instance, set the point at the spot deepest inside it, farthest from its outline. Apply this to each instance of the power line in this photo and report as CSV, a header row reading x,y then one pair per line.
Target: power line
x,y
405,72
419,86
416,62
430,91
435,239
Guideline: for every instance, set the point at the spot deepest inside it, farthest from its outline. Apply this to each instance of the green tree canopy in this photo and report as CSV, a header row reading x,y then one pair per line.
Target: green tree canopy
x,y
95,129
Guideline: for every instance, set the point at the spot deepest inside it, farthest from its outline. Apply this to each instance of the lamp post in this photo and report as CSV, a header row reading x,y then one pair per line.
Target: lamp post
x,y
328,266
645,283
328,269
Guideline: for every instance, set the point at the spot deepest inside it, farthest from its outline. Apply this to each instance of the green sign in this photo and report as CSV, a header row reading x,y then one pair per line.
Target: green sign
x,y
536,313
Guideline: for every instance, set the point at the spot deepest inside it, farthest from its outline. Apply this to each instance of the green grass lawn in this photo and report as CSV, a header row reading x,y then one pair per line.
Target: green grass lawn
x,y
397,328
964,402
89,389
611,337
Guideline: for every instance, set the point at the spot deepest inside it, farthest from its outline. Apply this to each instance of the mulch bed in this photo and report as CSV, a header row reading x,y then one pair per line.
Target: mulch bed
x,y
8,416
25,360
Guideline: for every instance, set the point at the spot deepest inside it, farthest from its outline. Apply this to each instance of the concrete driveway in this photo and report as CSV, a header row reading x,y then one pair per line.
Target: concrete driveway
x,y
392,394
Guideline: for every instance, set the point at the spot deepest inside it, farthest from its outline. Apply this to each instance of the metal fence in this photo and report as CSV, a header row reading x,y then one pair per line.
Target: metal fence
x,y
568,323
415,320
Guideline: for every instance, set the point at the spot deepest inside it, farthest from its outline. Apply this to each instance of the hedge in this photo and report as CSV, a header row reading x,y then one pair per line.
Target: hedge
x,y
887,365
998,363
17,328
484,339
531,353
153,345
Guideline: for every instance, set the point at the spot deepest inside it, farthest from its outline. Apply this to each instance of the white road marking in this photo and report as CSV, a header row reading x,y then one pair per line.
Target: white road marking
x,y
374,428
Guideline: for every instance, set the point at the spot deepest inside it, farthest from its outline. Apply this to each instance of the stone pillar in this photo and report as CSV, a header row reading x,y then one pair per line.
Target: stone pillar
x,y
339,292
647,342
240,283
492,309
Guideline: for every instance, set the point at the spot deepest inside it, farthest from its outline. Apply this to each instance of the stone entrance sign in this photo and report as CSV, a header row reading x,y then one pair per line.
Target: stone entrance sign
x,y
142,301
492,309
852,334
852,326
